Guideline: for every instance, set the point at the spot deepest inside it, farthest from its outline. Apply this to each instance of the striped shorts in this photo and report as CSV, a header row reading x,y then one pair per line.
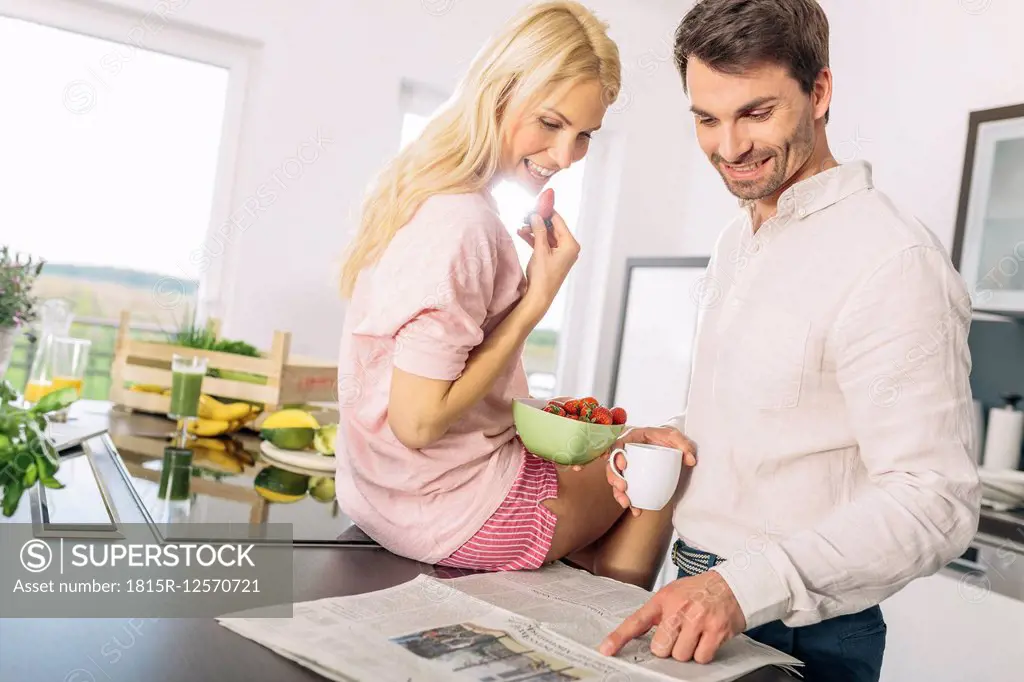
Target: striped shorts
x,y
518,535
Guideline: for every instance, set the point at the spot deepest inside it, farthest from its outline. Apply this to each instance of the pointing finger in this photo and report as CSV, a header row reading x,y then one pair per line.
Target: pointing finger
x,y
635,626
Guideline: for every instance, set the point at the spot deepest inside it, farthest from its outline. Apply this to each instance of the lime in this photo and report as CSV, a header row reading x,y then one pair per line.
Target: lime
x,y
324,440
289,438
322,489
281,485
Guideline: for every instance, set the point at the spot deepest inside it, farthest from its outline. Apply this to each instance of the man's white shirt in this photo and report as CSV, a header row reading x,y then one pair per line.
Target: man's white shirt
x,y
830,404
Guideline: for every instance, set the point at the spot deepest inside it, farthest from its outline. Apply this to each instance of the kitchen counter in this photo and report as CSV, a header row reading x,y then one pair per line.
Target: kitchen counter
x,y
995,560
1005,529
338,560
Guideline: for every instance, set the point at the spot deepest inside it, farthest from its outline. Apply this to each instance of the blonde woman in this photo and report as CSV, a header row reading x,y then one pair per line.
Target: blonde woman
x,y
429,463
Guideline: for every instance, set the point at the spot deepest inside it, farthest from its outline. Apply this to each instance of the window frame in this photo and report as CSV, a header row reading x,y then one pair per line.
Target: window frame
x,y
167,34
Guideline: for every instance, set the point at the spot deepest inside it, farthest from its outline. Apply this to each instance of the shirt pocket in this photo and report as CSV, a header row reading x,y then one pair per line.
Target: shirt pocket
x,y
763,365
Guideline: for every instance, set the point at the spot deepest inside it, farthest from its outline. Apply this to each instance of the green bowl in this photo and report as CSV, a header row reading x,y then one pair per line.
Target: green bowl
x,y
559,439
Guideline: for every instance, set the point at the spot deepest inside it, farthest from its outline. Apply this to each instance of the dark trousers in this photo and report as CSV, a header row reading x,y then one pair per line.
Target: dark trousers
x,y
846,648
842,649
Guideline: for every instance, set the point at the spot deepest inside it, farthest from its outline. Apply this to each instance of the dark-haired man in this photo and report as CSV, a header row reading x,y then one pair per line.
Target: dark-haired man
x,y
830,400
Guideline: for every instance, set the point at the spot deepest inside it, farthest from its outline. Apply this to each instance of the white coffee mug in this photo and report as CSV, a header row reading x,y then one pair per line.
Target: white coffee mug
x,y
652,473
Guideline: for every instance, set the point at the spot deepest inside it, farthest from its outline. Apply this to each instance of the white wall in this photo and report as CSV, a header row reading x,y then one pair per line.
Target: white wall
x,y
906,75
333,69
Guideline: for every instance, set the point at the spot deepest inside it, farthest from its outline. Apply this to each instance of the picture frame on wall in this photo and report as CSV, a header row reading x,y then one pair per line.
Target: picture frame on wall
x,y
654,344
988,244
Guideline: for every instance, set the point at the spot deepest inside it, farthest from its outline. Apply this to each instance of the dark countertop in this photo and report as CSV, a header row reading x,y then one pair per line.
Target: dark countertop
x,y
170,650
1003,528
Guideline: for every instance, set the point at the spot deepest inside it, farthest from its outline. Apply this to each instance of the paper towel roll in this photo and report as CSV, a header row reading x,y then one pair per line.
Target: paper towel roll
x,y
1003,438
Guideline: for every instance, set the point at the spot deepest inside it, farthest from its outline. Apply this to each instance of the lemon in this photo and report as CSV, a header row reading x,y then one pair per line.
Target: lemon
x,y
290,418
290,429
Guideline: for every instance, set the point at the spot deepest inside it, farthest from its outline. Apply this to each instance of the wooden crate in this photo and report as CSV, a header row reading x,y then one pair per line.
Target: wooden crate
x,y
291,378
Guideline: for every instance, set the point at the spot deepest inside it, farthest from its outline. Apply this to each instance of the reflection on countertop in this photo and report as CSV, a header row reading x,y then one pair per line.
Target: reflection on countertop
x,y
227,480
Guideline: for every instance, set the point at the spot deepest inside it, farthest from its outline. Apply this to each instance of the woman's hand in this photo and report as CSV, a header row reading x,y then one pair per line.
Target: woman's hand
x,y
546,208
555,251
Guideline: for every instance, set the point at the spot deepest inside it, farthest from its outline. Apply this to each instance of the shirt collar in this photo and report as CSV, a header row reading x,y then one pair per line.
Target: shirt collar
x,y
820,191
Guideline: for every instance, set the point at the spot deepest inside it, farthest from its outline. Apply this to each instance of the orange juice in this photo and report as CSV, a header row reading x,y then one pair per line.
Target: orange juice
x,y
62,382
35,390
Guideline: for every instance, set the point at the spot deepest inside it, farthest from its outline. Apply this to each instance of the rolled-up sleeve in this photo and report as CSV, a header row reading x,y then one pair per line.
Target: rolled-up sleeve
x,y
442,300
903,368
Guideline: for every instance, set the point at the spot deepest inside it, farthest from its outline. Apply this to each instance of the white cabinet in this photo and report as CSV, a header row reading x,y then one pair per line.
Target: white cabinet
x,y
944,628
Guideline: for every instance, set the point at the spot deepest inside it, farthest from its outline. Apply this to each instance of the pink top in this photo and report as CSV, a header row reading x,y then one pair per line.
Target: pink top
x,y
449,276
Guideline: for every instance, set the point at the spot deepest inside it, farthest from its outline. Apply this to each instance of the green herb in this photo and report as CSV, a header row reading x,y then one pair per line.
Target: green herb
x,y
192,335
26,455
204,339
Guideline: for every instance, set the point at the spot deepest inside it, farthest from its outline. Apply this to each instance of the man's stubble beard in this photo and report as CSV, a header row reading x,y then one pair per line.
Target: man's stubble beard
x,y
801,144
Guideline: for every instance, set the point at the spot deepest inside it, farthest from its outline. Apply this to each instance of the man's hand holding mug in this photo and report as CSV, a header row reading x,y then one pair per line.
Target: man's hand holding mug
x,y
658,454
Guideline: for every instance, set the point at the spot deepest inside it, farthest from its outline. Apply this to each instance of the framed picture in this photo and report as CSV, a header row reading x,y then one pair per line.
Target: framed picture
x,y
988,245
654,344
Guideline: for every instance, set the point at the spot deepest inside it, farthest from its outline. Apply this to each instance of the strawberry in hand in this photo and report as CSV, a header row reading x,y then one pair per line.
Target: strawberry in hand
x,y
545,209
546,205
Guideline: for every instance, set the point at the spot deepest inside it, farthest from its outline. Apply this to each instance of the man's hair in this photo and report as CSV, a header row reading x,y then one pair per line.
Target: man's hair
x,y
732,36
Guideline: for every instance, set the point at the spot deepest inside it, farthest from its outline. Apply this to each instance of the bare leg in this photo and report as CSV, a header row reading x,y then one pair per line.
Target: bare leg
x,y
634,549
585,509
594,532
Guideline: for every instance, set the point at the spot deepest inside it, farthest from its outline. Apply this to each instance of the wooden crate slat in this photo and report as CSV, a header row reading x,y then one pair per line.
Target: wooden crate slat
x,y
146,402
289,378
216,359
240,390
225,388
307,361
307,384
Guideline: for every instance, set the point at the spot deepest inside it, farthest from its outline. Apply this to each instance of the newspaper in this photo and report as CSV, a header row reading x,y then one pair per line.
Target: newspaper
x,y
525,625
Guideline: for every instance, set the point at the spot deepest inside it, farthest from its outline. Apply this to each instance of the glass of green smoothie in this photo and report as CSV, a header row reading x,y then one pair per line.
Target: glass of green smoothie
x,y
176,474
187,374
174,497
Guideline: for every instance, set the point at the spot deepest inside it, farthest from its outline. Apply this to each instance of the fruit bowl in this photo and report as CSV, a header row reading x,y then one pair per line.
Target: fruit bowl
x,y
559,439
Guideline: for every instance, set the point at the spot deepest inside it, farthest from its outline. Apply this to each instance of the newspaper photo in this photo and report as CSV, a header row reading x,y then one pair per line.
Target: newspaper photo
x,y
524,625
585,608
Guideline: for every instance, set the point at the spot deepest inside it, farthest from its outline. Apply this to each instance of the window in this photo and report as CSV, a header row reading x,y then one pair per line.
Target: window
x,y
540,356
118,165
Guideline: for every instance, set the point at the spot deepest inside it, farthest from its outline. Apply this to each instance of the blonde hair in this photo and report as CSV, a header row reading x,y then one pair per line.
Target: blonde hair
x,y
547,44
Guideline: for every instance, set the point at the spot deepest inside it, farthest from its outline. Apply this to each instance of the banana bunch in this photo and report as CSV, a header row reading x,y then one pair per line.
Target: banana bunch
x,y
149,388
221,454
216,418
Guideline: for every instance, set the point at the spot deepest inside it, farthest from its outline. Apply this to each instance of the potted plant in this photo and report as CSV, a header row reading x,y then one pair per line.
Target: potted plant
x,y
26,454
17,305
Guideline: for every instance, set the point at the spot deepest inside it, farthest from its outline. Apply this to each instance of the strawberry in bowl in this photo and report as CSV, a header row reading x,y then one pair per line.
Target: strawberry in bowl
x,y
569,432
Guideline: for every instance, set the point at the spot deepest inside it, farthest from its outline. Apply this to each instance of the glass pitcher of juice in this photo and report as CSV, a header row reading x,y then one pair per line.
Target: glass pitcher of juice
x,y
55,318
69,358
40,377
